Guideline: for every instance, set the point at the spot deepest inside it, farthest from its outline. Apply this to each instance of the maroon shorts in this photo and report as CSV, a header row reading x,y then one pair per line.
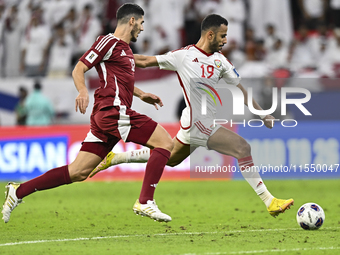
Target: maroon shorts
x,y
114,123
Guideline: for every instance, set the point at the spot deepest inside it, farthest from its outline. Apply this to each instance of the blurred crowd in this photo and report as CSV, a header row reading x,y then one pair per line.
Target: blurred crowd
x,y
45,38
42,38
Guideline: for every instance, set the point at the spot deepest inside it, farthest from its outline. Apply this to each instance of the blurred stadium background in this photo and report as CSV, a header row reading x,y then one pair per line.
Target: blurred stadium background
x,y
272,43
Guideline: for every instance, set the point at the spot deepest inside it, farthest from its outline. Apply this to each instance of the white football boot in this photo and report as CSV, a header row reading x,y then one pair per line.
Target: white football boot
x,y
150,209
11,200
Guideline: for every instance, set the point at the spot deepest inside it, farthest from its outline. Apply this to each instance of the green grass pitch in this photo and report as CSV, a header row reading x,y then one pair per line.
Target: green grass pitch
x,y
208,217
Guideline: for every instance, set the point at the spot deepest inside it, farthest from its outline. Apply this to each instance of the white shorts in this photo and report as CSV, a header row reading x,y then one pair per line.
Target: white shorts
x,y
196,133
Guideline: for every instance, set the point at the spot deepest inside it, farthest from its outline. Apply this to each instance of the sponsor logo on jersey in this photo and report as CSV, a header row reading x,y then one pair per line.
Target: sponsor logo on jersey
x,y
195,60
218,63
91,56
123,53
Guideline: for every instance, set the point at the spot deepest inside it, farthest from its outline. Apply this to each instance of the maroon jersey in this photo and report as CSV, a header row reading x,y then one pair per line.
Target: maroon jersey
x,y
115,64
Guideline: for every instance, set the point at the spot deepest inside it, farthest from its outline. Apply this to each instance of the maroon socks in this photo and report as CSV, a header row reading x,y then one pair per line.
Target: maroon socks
x,y
153,173
60,176
51,179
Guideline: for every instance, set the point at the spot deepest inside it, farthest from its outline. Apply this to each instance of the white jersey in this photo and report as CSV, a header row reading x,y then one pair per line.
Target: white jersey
x,y
198,73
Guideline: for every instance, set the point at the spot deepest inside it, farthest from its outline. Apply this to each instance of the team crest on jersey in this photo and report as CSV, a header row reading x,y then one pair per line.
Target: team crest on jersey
x,y
218,63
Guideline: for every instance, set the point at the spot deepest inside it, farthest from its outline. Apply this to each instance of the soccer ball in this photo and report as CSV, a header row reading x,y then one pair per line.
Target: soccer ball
x,y
310,216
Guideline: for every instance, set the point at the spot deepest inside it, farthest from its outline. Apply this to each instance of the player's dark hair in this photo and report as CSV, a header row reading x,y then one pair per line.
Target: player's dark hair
x,y
213,21
128,10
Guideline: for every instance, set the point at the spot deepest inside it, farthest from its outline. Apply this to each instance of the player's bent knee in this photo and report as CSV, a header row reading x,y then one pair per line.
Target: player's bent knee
x,y
82,177
170,145
166,144
79,176
161,139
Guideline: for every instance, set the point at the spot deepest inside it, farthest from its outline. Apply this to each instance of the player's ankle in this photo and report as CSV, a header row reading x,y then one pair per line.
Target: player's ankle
x,y
120,158
139,156
266,197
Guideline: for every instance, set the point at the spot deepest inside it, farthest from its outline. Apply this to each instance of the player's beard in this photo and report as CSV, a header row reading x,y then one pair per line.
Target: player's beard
x,y
214,46
134,33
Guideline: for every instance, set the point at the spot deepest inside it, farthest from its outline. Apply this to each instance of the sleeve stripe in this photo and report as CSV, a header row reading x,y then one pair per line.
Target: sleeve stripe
x,y
103,42
103,46
109,53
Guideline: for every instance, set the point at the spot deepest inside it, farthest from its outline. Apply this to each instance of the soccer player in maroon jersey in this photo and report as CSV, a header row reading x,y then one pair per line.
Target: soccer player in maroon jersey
x,y
112,118
204,62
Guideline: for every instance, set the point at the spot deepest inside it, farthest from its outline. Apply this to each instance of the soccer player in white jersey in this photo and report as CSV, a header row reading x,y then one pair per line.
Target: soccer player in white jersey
x,y
204,62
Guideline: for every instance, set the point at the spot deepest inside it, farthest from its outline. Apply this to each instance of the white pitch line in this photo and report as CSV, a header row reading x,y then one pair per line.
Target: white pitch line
x,y
263,251
160,234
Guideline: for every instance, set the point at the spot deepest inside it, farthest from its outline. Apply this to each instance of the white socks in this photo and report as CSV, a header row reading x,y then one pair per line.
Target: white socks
x,y
254,179
266,197
135,156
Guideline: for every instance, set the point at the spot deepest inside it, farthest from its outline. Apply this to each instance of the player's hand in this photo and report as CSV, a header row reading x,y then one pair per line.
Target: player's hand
x,y
269,121
82,101
151,99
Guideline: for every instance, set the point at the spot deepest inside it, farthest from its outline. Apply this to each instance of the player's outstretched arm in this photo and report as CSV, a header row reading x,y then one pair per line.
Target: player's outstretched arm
x,y
148,97
268,119
145,61
78,75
